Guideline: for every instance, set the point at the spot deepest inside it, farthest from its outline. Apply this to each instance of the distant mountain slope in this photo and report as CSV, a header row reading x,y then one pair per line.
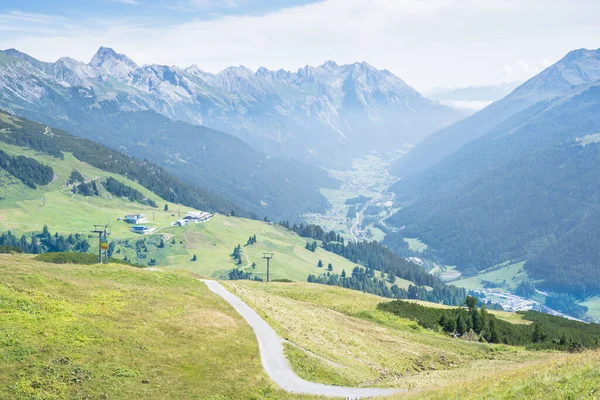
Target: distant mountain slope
x,y
53,142
576,68
526,190
325,115
220,163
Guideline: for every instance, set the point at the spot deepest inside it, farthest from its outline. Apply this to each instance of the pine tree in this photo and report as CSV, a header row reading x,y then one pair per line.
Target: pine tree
x,y
320,264
166,207
461,325
194,258
471,302
329,267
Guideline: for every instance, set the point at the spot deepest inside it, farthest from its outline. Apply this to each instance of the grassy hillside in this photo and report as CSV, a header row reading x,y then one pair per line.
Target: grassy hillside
x,y
566,376
94,332
24,210
75,331
346,340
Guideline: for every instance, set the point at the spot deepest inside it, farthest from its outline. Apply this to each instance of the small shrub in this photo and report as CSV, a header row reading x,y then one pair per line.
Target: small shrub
x,y
75,258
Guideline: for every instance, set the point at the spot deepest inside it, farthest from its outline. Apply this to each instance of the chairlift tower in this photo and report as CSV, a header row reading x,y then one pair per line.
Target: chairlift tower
x,y
103,234
268,257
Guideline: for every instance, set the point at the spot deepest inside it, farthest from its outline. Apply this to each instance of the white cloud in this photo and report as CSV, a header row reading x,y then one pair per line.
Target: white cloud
x,y
131,2
426,43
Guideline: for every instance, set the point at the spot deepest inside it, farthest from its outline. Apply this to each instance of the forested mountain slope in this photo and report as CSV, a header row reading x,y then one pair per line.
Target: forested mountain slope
x,y
526,190
54,143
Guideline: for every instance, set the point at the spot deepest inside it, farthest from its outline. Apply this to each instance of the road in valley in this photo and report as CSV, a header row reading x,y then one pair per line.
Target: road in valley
x,y
274,361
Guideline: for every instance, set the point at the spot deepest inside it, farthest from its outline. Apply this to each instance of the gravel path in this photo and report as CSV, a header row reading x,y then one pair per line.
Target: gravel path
x,y
274,361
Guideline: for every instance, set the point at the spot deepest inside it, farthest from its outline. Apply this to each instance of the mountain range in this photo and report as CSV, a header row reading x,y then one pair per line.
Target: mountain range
x,y
84,100
522,186
323,115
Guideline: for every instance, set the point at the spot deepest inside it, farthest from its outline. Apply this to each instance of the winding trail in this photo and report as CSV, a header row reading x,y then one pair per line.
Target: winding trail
x,y
274,361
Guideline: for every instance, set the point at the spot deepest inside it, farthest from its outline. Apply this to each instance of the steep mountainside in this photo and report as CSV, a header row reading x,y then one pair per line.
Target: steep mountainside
x,y
324,115
526,190
576,68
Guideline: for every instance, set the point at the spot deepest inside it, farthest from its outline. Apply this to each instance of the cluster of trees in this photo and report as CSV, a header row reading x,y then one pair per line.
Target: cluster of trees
x,y
86,189
238,274
364,279
75,177
120,189
311,246
314,232
376,256
567,304
28,170
474,320
546,332
237,254
361,279
372,254
329,265
525,289
45,242
251,240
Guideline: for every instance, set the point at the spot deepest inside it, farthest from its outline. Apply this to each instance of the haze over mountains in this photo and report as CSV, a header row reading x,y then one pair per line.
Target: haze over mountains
x,y
523,184
471,99
323,115
576,68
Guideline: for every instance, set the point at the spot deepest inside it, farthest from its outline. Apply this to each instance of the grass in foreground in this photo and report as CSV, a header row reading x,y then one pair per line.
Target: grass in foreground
x,y
340,337
117,332
566,376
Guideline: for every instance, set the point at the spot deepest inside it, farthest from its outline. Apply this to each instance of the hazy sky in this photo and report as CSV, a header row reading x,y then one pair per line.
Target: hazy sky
x,y
428,43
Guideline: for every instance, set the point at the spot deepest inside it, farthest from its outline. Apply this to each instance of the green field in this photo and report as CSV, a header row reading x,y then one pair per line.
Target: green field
x,y
116,332
508,277
593,304
415,244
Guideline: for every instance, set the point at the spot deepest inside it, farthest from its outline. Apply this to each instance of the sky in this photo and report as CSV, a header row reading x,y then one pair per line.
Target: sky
x,y
427,43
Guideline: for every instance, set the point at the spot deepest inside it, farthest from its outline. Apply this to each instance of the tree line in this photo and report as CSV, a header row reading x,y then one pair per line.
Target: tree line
x,y
28,170
45,242
471,322
120,189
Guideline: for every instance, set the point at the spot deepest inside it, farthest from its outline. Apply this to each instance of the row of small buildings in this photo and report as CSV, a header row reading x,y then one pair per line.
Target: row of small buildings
x,y
194,217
